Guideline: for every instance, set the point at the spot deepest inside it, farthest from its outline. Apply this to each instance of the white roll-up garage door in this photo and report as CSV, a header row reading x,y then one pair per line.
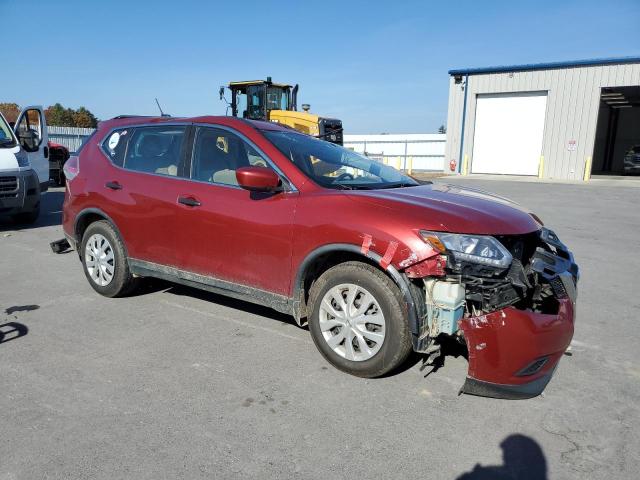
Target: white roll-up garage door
x,y
508,133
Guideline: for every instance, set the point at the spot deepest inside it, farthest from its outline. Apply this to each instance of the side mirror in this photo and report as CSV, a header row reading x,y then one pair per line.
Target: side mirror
x,y
29,140
258,179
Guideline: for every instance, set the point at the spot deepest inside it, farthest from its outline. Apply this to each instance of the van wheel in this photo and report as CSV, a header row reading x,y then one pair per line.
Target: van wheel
x,y
357,320
105,262
27,218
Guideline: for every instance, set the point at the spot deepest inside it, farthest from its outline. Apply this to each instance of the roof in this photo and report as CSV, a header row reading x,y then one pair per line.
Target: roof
x,y
257,82
546,66
133,120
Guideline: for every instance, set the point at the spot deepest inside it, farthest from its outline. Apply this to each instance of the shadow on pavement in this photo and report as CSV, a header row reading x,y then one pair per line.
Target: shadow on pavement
x,y
12,330
229,302
522,459
50,213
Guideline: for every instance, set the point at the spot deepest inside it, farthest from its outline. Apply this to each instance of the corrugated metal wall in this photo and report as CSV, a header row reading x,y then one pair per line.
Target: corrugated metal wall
x,y
572,110
70,137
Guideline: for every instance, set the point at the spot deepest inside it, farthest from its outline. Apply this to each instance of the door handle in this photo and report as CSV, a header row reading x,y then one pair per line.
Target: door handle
x,y
189,201
113,185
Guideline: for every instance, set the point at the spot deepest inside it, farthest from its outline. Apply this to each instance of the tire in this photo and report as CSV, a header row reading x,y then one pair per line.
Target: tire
x,y
112,277
376,358
27,218
60,179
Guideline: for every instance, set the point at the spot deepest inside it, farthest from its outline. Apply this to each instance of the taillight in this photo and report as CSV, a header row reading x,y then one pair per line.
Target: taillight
x,y
71,168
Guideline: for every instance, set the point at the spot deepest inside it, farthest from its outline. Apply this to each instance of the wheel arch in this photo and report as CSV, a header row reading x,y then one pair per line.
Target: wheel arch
x,y
326,256
91,215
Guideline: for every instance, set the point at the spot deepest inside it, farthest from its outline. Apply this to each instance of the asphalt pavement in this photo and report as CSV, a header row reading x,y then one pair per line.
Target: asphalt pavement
x,y
179,383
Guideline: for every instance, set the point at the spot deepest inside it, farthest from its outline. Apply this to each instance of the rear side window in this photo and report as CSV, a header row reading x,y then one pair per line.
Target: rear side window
x,y
115,145
156,150
147,149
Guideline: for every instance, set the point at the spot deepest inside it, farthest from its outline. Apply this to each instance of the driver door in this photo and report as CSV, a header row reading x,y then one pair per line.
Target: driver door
x,y
31,130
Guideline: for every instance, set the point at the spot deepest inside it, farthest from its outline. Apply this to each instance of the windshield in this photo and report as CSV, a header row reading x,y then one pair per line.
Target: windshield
x,y
6,135
333,166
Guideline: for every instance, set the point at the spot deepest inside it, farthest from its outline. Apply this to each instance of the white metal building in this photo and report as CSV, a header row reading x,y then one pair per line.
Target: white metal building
x,y
563,120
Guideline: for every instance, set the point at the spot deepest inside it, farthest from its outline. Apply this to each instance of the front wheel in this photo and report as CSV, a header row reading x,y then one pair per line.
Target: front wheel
x,y
357,320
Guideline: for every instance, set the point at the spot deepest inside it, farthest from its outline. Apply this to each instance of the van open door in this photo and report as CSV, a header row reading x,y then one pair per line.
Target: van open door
x,y
31,130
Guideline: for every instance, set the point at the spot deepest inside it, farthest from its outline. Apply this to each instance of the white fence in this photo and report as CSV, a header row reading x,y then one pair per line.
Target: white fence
x,y
412,151
70,137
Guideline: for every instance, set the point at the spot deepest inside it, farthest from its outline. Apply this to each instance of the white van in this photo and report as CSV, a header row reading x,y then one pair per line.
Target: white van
x,y
24,165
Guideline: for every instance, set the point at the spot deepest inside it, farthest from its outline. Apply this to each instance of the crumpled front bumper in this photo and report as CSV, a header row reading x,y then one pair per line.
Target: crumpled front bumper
x,y
513,353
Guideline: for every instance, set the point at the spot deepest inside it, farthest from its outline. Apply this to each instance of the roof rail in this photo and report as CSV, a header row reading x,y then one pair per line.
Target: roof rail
x,y
118,117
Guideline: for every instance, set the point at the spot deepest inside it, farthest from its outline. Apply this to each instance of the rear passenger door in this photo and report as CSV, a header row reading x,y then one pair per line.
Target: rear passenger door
x,y
142,188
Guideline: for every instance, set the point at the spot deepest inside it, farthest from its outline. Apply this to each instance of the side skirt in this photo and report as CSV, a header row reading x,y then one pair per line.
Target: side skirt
x,y
279,303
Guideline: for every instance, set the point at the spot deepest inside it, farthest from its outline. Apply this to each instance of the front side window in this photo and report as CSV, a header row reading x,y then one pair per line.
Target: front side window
x,y
6,135
218,153
333,166
156,150
30,130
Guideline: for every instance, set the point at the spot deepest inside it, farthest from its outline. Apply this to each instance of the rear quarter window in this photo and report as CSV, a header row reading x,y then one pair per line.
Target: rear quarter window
x,y
115,145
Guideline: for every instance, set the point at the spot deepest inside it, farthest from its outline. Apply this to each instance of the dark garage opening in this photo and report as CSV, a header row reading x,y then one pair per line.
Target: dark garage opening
x,y
617,131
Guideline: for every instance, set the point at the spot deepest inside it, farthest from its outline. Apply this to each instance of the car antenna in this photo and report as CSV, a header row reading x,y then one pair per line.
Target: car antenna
x,y
162,114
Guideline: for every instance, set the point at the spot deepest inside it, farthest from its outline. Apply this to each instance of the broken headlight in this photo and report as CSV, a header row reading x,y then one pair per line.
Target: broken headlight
x,y
480,249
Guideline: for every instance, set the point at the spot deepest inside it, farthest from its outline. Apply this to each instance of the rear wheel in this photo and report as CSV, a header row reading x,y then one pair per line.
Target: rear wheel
x,y
357,320
105,262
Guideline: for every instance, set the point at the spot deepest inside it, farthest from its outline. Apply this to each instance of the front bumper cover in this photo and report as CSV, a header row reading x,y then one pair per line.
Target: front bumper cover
x,y
21,196
513,353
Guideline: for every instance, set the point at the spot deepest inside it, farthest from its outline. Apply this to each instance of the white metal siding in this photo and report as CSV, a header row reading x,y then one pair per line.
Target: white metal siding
x,y
572,110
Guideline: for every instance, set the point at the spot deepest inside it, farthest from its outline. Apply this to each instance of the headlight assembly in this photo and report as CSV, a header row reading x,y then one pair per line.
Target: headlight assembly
x,y
481,249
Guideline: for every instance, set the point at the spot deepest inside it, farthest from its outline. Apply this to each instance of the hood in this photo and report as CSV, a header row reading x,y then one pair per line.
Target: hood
x,y
450,208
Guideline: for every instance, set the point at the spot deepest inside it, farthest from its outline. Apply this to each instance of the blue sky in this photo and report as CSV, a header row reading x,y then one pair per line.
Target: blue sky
x,y
380,66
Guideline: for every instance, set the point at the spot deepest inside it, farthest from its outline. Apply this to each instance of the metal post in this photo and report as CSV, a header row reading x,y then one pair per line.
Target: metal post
x,y
405,156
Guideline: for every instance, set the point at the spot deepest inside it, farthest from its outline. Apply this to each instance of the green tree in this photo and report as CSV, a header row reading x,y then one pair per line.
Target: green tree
x,y
59,116
84,118
10,111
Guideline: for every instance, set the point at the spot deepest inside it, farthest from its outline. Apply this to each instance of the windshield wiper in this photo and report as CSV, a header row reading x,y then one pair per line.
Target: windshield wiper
x,y
346,186
399,185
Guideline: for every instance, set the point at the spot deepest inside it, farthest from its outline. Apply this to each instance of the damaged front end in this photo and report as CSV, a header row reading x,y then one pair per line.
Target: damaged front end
x,y
510,298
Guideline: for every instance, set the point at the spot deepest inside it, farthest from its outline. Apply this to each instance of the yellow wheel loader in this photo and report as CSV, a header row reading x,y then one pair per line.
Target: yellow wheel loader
x,y
277,102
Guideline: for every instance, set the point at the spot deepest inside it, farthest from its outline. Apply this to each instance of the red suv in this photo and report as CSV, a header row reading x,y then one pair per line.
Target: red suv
x,y
376,263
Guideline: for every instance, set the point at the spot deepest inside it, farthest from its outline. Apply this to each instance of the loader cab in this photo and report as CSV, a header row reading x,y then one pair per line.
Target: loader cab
x,y
256,99
277,102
